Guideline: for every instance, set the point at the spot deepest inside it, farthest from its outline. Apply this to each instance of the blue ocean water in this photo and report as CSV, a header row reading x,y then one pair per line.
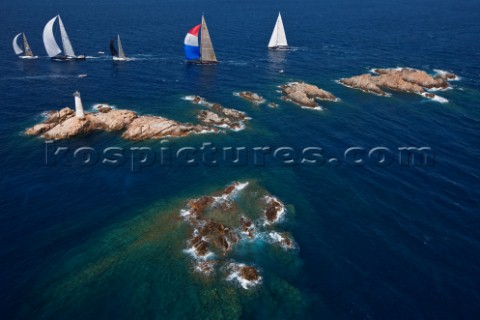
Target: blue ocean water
x,y
375,242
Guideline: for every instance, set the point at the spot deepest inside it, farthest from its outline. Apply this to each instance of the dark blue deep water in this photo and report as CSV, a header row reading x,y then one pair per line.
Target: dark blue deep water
x,y
381,242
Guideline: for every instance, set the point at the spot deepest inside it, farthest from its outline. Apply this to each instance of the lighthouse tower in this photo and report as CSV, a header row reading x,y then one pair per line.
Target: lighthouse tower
x,y
78,105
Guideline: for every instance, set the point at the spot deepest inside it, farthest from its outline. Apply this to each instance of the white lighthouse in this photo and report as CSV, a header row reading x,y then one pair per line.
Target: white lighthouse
x,y
78,105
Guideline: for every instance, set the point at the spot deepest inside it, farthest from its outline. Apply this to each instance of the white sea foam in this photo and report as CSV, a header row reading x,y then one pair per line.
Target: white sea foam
x,y
240,128
185,213
97,105
318,108
443,72
277,238
439,89
193,252
435,98
227,197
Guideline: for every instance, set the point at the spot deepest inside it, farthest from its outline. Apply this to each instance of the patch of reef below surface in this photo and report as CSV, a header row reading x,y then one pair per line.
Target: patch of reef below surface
x,y
226,254
64,124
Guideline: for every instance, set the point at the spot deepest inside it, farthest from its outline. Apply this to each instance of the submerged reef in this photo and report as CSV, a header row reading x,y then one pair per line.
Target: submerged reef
x,y
218,226
218,254
401,79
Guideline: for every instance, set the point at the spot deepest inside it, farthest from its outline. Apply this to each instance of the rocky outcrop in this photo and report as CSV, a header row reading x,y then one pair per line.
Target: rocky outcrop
x,y
273,105
305,95
247,276
64,124
249,273
219,116
274,209
399,79
104,108
252,97
218,224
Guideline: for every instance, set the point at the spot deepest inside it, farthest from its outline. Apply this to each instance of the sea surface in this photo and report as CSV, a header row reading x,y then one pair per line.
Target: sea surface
x,y
374,242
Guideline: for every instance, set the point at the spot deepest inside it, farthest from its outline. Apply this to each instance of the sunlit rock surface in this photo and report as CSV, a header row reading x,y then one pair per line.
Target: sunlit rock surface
x,y
400,79
305,95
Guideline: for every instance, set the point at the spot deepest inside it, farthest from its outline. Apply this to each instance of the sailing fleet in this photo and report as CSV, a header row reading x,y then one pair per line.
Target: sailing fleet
x,y
198,46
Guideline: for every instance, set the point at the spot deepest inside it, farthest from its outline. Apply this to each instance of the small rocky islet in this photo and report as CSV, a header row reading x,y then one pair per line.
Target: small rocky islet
x,y
218,225
306,95
300,93
218,115
401,79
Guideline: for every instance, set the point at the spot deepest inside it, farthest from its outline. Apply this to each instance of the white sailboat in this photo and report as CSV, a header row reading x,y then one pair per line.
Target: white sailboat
x,y
51,46
120,54
278,40
25,52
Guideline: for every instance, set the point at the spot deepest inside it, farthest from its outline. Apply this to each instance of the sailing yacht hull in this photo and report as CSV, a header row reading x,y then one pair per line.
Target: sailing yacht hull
x,y
279,48
198,62
28,57
68,58
120,59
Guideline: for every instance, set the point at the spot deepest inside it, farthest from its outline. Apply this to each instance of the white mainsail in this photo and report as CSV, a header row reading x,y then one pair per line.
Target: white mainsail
x,y
206,46
49,42
121,54
16,47
278,38
67,46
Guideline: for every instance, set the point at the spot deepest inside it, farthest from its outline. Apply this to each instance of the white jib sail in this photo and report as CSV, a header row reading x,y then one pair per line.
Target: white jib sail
x,y
16,47
67,46
121,54
279,38
49,42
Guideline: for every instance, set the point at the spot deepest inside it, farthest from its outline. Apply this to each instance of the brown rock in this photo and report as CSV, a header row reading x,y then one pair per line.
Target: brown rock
x,y
304,94
113,120
252,97
249,273
71,127
229,189
104,108
404,80
273,209
199,205
365,82
151,127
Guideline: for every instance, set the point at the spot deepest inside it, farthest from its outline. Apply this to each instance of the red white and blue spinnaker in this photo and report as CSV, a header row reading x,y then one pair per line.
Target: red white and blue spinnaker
x,y
192,48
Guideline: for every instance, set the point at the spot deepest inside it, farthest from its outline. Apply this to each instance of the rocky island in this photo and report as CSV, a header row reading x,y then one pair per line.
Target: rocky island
x,y
67,123
219,116
252,97
400,79
218,224
306,95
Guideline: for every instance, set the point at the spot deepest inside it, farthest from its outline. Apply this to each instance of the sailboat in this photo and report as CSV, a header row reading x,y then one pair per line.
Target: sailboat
x,y
278,40
51,46
27,52
117,55
203,53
